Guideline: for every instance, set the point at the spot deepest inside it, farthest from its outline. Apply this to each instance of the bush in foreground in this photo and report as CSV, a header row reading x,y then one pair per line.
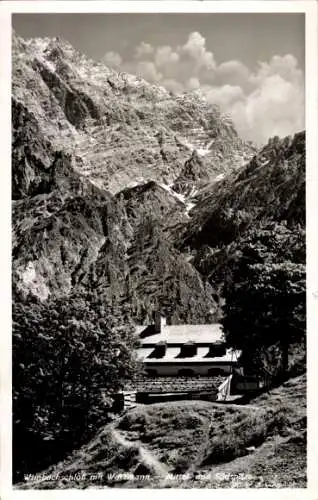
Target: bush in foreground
x,y
68,358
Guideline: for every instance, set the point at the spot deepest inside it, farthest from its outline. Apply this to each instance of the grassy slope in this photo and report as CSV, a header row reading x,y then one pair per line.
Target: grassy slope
x,y
207,441
280,460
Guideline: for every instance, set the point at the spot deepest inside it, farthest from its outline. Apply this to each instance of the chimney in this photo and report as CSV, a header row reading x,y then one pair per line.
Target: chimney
x,y
160,322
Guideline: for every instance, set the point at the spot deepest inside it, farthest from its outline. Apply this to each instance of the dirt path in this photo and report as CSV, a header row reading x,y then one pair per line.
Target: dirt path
x,y
160,469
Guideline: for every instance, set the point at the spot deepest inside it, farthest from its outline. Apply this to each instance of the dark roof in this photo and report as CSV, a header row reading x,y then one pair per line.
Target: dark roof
x,y
175,384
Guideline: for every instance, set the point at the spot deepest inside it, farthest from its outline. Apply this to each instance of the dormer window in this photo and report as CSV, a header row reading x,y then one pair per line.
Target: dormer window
x,y
188,350
216,351
159,350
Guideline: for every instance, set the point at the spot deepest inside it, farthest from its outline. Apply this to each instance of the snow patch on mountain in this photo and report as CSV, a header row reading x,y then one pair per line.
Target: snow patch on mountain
x,y
180,197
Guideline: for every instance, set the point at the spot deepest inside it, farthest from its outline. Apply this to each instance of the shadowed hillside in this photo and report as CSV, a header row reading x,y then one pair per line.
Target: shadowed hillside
x,y
197,444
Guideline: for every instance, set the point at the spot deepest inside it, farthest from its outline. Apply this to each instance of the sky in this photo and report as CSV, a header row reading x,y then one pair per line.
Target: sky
x,y
252,65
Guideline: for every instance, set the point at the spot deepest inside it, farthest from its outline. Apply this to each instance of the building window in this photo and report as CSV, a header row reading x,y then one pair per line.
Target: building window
x,y
186,372
215,371
151,373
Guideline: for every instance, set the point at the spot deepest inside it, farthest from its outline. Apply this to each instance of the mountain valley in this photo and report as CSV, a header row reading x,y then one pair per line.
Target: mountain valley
x,y
136,199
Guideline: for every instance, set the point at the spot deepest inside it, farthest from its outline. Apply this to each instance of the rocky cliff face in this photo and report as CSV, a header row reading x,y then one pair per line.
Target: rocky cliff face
x,y
81,133
76,238
269,190
119,129
270,186
193,175
117,184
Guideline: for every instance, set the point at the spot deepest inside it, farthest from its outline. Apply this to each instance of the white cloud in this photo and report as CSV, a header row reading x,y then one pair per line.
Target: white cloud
x,y
112,59
172,85
144,50
265,100
276,107
148,70
285,66
233,73
195,47
224,96
193,83
165,55
233,66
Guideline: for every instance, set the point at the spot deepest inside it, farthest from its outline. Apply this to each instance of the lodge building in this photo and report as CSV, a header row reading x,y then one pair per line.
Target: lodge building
x,y
185,350
182,362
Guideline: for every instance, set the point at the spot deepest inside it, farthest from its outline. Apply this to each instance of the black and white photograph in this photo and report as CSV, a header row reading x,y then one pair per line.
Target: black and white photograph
x,y
158,249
